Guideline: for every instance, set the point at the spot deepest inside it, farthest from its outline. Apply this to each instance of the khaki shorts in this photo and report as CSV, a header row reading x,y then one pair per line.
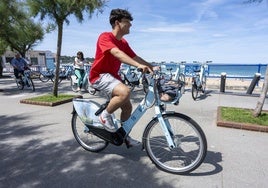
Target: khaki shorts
x,y
106,83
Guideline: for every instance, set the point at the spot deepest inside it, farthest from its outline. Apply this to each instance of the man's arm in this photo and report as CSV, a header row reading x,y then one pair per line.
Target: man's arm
x,y
123,57
13,63
142,61
136,61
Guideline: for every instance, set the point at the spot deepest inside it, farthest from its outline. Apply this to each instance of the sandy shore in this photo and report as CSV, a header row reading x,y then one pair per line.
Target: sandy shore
x,y
230,83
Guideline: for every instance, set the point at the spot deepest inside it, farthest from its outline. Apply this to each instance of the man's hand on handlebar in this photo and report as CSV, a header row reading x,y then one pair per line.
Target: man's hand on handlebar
x,y
145,69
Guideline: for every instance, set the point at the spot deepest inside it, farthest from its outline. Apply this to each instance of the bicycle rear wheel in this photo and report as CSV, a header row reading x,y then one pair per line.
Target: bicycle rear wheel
x,y
190,144
85,138
54,77
43,78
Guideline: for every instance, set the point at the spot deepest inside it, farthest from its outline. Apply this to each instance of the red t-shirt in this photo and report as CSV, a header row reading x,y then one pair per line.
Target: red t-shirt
x,y
104,61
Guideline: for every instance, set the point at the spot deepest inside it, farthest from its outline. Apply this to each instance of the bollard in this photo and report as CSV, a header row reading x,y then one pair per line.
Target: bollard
x,y
223,80
253,83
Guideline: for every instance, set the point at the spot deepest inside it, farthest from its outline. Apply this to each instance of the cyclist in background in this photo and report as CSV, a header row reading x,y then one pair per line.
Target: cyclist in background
x,y
111,50
79,71
19,65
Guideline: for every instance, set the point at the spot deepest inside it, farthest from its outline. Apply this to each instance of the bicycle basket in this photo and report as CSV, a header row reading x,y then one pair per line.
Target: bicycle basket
x,y
86,109
169,91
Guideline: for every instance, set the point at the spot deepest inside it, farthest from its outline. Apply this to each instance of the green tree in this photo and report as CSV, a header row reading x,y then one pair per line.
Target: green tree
x,y
3,47
18,30
58,11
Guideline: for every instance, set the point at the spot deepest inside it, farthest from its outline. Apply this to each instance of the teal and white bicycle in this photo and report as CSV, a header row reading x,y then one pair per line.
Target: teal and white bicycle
x,y
174,142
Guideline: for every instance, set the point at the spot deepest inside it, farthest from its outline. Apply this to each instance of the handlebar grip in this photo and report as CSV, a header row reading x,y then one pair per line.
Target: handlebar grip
x,y
139,69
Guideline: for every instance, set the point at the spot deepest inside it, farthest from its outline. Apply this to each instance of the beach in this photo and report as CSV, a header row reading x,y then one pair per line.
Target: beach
x,y
230,83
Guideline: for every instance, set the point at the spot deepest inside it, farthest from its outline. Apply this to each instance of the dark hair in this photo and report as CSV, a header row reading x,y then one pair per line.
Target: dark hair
x,y
82,55
118,14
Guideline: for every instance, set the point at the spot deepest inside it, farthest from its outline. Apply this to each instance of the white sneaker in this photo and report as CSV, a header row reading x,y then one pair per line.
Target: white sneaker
x,y
130,142
107,123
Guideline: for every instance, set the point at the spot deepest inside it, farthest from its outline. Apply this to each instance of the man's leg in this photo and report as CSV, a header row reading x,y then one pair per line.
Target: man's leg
x,y
16,73
79,78
120,99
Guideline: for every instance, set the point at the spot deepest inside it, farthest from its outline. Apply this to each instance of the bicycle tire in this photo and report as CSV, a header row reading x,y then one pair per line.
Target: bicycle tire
x,y
31,84
91,90
204,84
20,84
182,79
43,78
73,85
190,144
53,79
194,91
85,138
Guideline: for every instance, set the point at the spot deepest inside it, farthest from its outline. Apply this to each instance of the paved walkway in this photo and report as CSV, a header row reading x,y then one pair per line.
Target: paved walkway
x,y
37,147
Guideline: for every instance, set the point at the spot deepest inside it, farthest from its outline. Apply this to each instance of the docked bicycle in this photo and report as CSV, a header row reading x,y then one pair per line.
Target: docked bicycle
x,y
174,142
47,75
133,78
177,75
199,79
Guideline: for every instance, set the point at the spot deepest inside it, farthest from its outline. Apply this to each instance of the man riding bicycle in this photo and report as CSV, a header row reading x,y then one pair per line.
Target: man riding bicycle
x,y
112,49
19,65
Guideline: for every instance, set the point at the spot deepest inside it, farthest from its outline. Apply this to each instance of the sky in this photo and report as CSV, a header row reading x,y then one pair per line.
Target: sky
x,y
221,31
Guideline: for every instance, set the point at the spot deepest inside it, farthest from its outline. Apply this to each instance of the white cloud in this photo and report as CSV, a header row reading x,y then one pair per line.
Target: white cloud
x,y
223,31
169,29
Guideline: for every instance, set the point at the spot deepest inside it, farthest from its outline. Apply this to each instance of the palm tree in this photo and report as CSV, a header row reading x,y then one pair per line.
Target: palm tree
x,y
58,12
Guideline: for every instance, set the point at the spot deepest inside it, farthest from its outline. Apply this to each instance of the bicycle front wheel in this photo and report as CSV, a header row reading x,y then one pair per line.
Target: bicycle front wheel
x,y
194,91
182,79
189,140
19,83
204,84
85,138
31,84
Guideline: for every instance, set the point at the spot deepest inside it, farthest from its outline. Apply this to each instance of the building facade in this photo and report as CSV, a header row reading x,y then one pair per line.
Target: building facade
x,y
37,59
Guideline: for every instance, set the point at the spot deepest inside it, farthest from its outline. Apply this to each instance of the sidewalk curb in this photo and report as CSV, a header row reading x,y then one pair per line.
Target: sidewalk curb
x,y
51,104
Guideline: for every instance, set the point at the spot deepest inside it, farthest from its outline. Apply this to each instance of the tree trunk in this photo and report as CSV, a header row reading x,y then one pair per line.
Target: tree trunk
x,y
260,103
59,42
1,67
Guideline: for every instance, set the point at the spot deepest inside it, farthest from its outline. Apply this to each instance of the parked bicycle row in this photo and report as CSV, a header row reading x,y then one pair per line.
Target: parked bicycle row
x,y
129,75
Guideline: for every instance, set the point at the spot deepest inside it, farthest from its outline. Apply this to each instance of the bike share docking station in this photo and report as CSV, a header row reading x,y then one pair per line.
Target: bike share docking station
x,y
223,81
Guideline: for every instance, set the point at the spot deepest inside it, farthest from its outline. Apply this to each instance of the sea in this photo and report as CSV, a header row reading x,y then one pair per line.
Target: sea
x,y
215,70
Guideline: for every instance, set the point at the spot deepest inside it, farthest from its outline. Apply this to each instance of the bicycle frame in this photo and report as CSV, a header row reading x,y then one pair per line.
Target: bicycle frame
x,y
151,99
